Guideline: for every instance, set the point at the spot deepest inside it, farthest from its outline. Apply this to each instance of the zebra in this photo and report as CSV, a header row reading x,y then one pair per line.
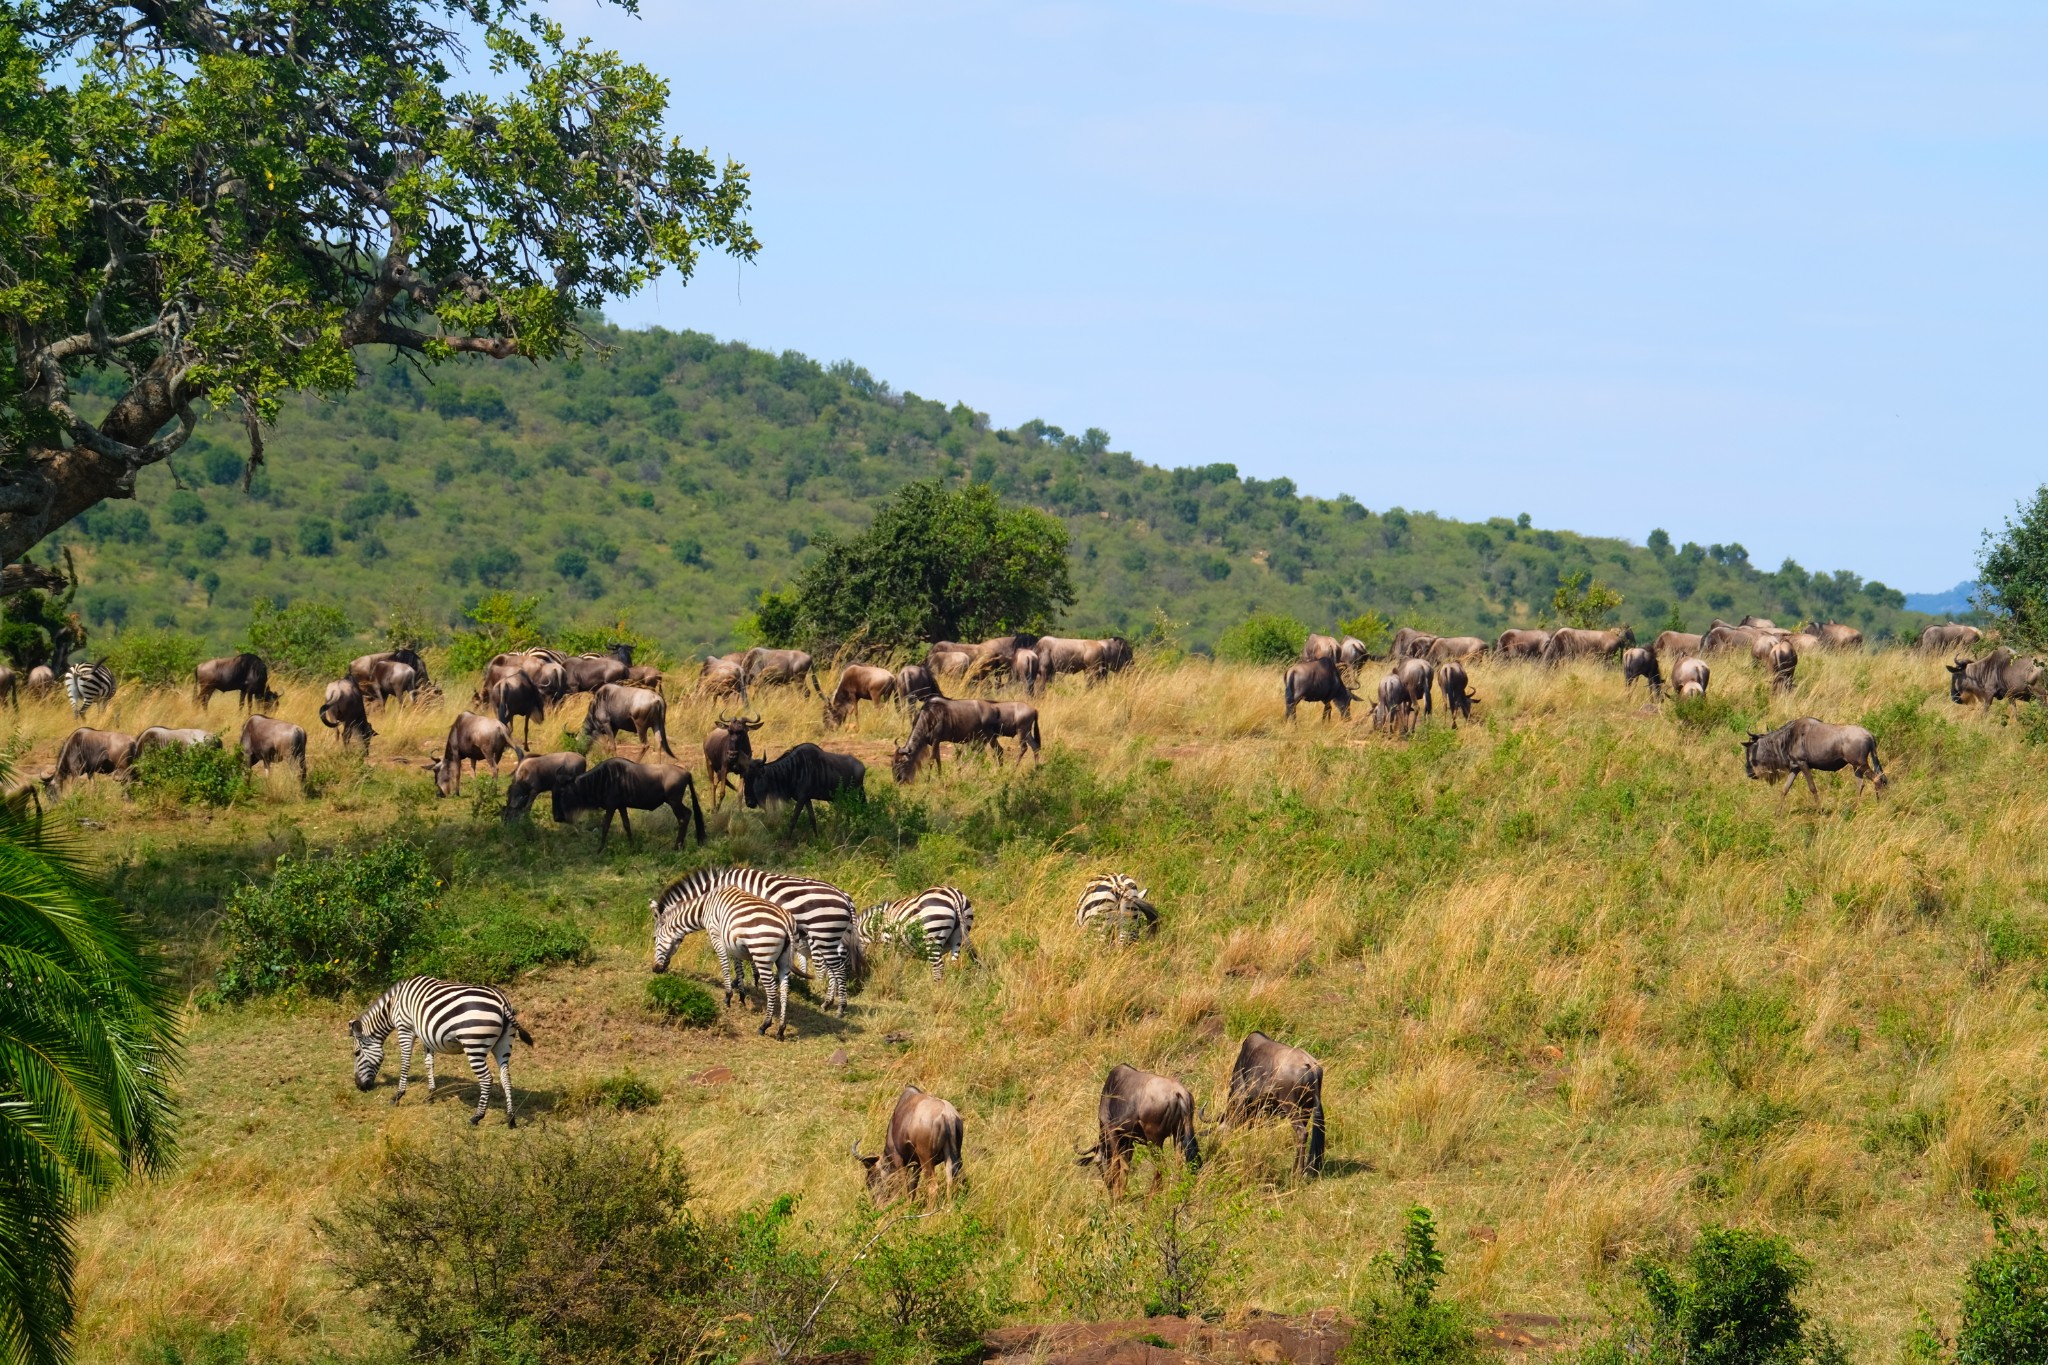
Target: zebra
x,y
1118,904
823,914
443,1016
88,685
934,924
739,925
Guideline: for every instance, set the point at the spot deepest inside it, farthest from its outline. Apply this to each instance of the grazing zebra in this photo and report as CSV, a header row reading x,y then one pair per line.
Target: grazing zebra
x,y
934,923
823,913
1118,904
739,925
443,1016
88,685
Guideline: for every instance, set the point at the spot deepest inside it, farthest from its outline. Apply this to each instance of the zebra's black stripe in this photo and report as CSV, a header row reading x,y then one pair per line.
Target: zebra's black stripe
x,y
88,685
1117,903
935,922
823,913
442,1016
739,925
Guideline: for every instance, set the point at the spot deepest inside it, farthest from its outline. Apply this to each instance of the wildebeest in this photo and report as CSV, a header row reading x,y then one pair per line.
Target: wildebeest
x,y
540,668
778,667
42,679
1457,690
1722,637
518,695
1029,670
1394,709
1567,642
1949,636
1760,622
647,676
1352,654
800,776
1998,676
947,720
949,656
618,785
1319,647
1271,1078
1095,658
915,683
1417,675
924,1139
244,674
394,673
722,676
1521,644
616,706
1018,720
1410,643
1690,677
1808,746
538,774
726,751
87,753
1638,662
589,672
1139,1107
1782,660
342,710
1460,647
269,741
472,739
1317,680
858,683
1675,644
163,737
8,686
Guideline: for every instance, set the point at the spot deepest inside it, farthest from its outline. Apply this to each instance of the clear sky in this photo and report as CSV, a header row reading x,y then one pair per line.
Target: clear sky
x,y
1768,273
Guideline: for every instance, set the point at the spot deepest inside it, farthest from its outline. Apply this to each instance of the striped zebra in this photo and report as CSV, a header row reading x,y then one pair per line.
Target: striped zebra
x,y
1118,905
823,913
442,1016
88,685
933,924
739,925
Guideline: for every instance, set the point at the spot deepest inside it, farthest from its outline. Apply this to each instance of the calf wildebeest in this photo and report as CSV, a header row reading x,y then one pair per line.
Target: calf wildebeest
x,y
924,1139
722,676
1949,636
518,695
1567,642
1638,662
1317,680
269,741
87,753
858,683
1410,643
1319,647
617,785
1018,720
1271,1078
394,673
1808,746
1417,675
1690,677
1782,660
947,720
472,739
244,674
538,774
163,737
1460,647
1457,690
1139,1107
1521,644
800,776
1352,654
779,667
615,707
1998,676
915,683
342,710
726,751
1394,709
1675,644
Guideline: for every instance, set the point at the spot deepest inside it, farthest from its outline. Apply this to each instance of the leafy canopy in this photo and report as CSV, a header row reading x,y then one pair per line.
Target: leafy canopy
x,y
1583,605
2013,567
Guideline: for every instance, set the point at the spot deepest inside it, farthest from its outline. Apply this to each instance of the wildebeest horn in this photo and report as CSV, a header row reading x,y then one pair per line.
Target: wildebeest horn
x,y
854,1147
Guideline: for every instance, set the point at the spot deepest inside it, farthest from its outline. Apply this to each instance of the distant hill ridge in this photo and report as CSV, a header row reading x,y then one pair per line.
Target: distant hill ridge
x,y
1955,602
670,483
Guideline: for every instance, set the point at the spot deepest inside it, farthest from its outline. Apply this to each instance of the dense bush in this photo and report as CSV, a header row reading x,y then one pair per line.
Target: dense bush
x,y
154,658
622,1092
328,923
499,946
303,640
1262,638
1405,1323
1170,1254
925,1289
175,775
2004,1309
682,1001
1733,1302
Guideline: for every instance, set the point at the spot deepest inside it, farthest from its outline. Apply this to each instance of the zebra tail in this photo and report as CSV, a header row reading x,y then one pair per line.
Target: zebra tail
x,y
520,1029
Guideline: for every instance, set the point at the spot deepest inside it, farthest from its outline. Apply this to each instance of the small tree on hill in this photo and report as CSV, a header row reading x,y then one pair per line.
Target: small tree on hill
x,y
1583,605
2013,569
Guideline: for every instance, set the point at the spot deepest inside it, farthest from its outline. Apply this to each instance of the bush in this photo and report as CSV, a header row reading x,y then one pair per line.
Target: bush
x,y
500,946
1369,628
682,1001
1263,638
1710,713
192,775
2005,1301
328,923
925,1289
1167,1255
624,1093
303,640
1731,1303
154,658
1405,1324
503,623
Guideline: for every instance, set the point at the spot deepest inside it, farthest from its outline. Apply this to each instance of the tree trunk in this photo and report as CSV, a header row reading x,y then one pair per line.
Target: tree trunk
x,y
46,486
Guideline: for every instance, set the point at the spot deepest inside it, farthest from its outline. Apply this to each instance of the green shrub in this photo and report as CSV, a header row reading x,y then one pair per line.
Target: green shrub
x,y
328,923
2005,1301
501,945
1262,638
1369,628
503,622
154,658
926,1289
1712,713
1733,1302
623,1093
303,640
2033,725
1168,1254
1404,1323
682,1001
174,775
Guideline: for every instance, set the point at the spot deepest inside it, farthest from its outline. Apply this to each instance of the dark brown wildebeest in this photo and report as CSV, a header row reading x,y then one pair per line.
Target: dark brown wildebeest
x,y
1457,690
269,741
616,706
538,665
1271,1078
1097,659
1018,720
518,696
1394,709
1641,663
589,672
538,774
1320,647
647,676
727,750
1000,653
858,683
1139,1107
722,677
87,753
1948,637
924,1139
394,673
780,667
1317,680
1782,660
1352,654
1459,647
1675,644
342,710
1418,676
1998,676
1410,643
163,737
617,785
800,776
947,720
244,674
1521,644
1808,746
472,739
1691,676
1566,642
915,683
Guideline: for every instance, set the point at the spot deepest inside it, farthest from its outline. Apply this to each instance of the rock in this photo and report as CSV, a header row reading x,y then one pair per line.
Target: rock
x,y
1482,1233
838,1058
717,1075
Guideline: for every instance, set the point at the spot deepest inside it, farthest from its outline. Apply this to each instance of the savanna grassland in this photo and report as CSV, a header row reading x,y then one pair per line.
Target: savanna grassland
x,y
1578,987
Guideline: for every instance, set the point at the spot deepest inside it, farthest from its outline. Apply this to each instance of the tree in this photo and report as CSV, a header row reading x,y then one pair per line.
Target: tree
x,y
211,205
2013,569
938,564
1583,605
88,1050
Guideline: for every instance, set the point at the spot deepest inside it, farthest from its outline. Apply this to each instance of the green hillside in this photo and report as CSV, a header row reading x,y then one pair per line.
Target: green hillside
x,y
671,482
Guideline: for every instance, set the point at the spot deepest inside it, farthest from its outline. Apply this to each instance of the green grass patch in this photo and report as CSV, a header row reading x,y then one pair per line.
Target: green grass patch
x,y
177,775
682,1001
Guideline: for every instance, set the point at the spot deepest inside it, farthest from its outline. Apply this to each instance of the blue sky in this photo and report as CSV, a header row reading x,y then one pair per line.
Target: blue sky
x,y
1763,273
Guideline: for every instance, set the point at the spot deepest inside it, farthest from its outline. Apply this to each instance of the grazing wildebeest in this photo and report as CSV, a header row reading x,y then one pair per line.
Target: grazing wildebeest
x,y
1459,647
269,741
518,696
1319,647
1139,1107
1018,720
244,674
1095,658
87,753
1729,637
538,774
858,683
1394,709
726,751
589,672
1029,670
924,1139
800,776
1271,1078
1638,662
1410,643
472,739
616,706
722,677
1782,660
1569,643
342,710
1675,644
395,673
540,668
1521,644
915,683
1352,654
1691,676
1808,746
1949,636
777,667
949,656
947,720
1998,676
617,785
163,737
1457,690
1317,680
1418,676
